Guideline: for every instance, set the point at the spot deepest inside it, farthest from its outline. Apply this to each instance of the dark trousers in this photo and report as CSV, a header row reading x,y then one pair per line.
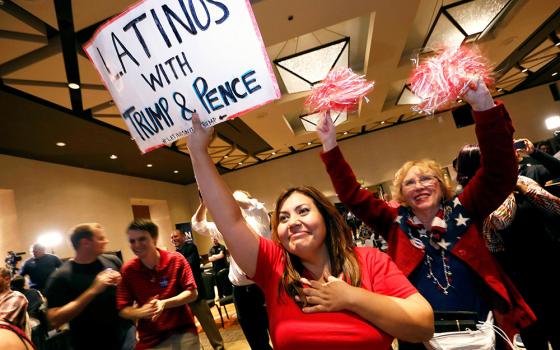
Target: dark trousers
x,y
537,335
544,303
251,314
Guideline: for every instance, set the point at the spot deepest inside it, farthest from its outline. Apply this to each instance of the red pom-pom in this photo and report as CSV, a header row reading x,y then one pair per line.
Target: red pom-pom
x,y
441,79
340,90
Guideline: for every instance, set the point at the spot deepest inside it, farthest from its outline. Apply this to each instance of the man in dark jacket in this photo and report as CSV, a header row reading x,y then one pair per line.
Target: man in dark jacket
x,y
199,307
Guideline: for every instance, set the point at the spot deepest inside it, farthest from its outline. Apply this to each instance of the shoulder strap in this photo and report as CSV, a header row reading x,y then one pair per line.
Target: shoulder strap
x,y
107,261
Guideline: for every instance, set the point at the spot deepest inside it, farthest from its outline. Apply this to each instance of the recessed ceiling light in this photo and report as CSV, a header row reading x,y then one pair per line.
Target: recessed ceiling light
x,y
175,171
309,143
73,86
273,153
346,133
382,122
553,74
61,144
149,165
524,70
500,90
226,157
240,163
113,156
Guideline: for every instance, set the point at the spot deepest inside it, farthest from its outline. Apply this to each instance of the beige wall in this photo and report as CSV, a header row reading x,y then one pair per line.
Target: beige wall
x,y
54,197
9,231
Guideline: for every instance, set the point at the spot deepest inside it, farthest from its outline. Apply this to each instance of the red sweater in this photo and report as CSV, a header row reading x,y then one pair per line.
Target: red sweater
x,y
290,328
491,185
171,276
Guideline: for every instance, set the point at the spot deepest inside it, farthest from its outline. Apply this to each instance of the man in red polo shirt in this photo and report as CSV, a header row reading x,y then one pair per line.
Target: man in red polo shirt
x,y
155,289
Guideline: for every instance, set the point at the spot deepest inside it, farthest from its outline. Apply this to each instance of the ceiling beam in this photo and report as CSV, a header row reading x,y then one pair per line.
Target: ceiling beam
x,y
26,17
533,41
29,38
51,48
49,83
68,40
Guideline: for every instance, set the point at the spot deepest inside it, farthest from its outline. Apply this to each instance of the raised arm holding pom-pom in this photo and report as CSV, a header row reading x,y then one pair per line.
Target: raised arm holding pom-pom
x,y
326,132
433,235
479,97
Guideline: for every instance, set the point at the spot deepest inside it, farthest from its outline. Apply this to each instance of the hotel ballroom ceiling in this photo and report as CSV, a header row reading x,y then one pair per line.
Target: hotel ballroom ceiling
x,y
41,53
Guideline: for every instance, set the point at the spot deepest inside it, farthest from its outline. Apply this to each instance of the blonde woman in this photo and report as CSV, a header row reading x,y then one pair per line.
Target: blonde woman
x,y
434,236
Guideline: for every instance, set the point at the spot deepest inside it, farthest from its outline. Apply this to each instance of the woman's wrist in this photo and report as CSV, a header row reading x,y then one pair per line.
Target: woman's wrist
x,y
483,105
329,145
350,299
199,153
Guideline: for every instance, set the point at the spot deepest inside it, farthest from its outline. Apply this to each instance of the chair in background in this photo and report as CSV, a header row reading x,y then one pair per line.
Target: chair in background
x,y
225,289
209,283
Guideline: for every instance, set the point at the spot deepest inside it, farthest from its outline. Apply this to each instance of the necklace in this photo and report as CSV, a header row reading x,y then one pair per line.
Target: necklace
x,y
446,271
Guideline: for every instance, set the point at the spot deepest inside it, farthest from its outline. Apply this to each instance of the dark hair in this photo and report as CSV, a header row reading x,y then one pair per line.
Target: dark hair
x,y
468,162
544,143
17,283
145,225
181,232
4,272
338,241
80,232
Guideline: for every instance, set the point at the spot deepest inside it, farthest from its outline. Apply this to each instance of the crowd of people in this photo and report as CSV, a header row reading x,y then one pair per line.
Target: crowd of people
x,y
464,266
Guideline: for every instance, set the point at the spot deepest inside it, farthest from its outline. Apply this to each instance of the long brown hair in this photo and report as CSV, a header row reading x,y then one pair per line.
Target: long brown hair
x,y
338,240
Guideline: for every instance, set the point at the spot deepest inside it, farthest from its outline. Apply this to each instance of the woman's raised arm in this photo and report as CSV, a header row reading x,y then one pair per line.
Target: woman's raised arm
x,y
497,175
242,242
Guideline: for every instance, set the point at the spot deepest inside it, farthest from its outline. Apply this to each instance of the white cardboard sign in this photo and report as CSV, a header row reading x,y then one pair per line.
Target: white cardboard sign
x,y
162,60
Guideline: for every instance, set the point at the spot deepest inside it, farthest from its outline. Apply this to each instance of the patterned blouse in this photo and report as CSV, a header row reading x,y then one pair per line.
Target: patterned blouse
x,y
502,217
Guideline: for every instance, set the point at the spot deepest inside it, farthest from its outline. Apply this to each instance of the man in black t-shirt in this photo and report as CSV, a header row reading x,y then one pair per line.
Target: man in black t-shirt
x,y
39,267
217,255
199,307
83,292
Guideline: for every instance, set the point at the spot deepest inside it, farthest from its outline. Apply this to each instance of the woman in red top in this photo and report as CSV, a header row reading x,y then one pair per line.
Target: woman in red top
x,y
369,302
435,236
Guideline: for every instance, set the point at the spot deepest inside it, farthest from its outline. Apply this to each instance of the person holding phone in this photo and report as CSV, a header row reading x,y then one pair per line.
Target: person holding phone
x,y
523,235
534,163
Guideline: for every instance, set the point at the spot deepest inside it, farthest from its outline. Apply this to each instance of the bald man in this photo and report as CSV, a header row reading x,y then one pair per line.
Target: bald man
x,y
39,267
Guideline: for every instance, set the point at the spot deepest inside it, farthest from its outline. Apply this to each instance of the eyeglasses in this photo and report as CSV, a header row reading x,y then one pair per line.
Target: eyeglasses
x,y
425,180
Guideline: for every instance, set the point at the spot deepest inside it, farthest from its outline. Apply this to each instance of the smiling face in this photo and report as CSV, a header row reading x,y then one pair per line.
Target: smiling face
x,y
301,227
141,243
215,241
421,190
99,240
178,238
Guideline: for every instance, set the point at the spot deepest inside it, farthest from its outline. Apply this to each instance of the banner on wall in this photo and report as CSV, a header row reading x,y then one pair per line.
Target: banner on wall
x,y
163,60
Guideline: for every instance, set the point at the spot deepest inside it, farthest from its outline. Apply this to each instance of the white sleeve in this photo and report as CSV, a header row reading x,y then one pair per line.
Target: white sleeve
x,y
258,218
206,228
